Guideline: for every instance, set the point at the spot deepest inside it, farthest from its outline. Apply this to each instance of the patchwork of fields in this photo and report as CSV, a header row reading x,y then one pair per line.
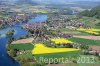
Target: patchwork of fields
x,y
49,49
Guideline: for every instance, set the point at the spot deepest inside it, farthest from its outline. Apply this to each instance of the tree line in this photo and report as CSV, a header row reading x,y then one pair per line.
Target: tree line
x,y
95,12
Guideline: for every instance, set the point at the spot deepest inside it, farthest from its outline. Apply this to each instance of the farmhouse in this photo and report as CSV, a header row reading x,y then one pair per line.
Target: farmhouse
x,y
95,50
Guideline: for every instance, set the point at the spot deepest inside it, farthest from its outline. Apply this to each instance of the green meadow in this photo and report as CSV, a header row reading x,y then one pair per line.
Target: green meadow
x,y
85,41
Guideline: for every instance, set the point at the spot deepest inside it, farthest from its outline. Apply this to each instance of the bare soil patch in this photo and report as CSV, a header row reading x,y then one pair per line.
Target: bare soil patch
x,y
22,41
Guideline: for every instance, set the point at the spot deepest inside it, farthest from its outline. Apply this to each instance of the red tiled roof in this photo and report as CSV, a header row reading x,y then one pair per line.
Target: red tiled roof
x,y
95,48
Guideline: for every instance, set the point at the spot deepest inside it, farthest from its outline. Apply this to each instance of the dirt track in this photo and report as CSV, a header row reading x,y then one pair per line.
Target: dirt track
x,y
89,37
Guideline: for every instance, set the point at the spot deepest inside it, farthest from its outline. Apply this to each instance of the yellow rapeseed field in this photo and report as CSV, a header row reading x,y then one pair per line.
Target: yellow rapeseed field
x,y
41,49
61,41
91,30
21,14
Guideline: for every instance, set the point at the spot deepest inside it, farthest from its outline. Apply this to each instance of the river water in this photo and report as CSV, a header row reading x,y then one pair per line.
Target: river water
x,y
5,60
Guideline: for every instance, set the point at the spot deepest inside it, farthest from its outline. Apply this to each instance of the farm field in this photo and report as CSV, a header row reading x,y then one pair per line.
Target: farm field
x,y
65,54
41,51
92,31
93,60
27,46
46,50
25,56
23,41
89,37
85,41
61,41
60,55
90,21
73,32
35,52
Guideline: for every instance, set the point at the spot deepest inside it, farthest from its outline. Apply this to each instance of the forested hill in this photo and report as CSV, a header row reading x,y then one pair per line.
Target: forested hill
x,y
95,12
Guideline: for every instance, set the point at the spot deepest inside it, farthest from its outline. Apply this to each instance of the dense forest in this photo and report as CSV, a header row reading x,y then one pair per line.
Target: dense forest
x,y
95,12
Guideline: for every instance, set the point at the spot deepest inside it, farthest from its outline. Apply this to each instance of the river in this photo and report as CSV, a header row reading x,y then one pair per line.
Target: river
x,y
5,60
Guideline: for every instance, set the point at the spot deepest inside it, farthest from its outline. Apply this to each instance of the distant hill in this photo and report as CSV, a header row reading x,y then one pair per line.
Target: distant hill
x,y
86,4
18,2
95,12
21,2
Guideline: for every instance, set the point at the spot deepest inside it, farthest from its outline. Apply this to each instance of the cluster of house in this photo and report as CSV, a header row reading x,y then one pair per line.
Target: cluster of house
x,y
14,19
60,21
33,25
94,50
10,17
18,52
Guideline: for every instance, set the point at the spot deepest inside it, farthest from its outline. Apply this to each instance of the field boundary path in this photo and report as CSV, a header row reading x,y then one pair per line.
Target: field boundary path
x,y
89,37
